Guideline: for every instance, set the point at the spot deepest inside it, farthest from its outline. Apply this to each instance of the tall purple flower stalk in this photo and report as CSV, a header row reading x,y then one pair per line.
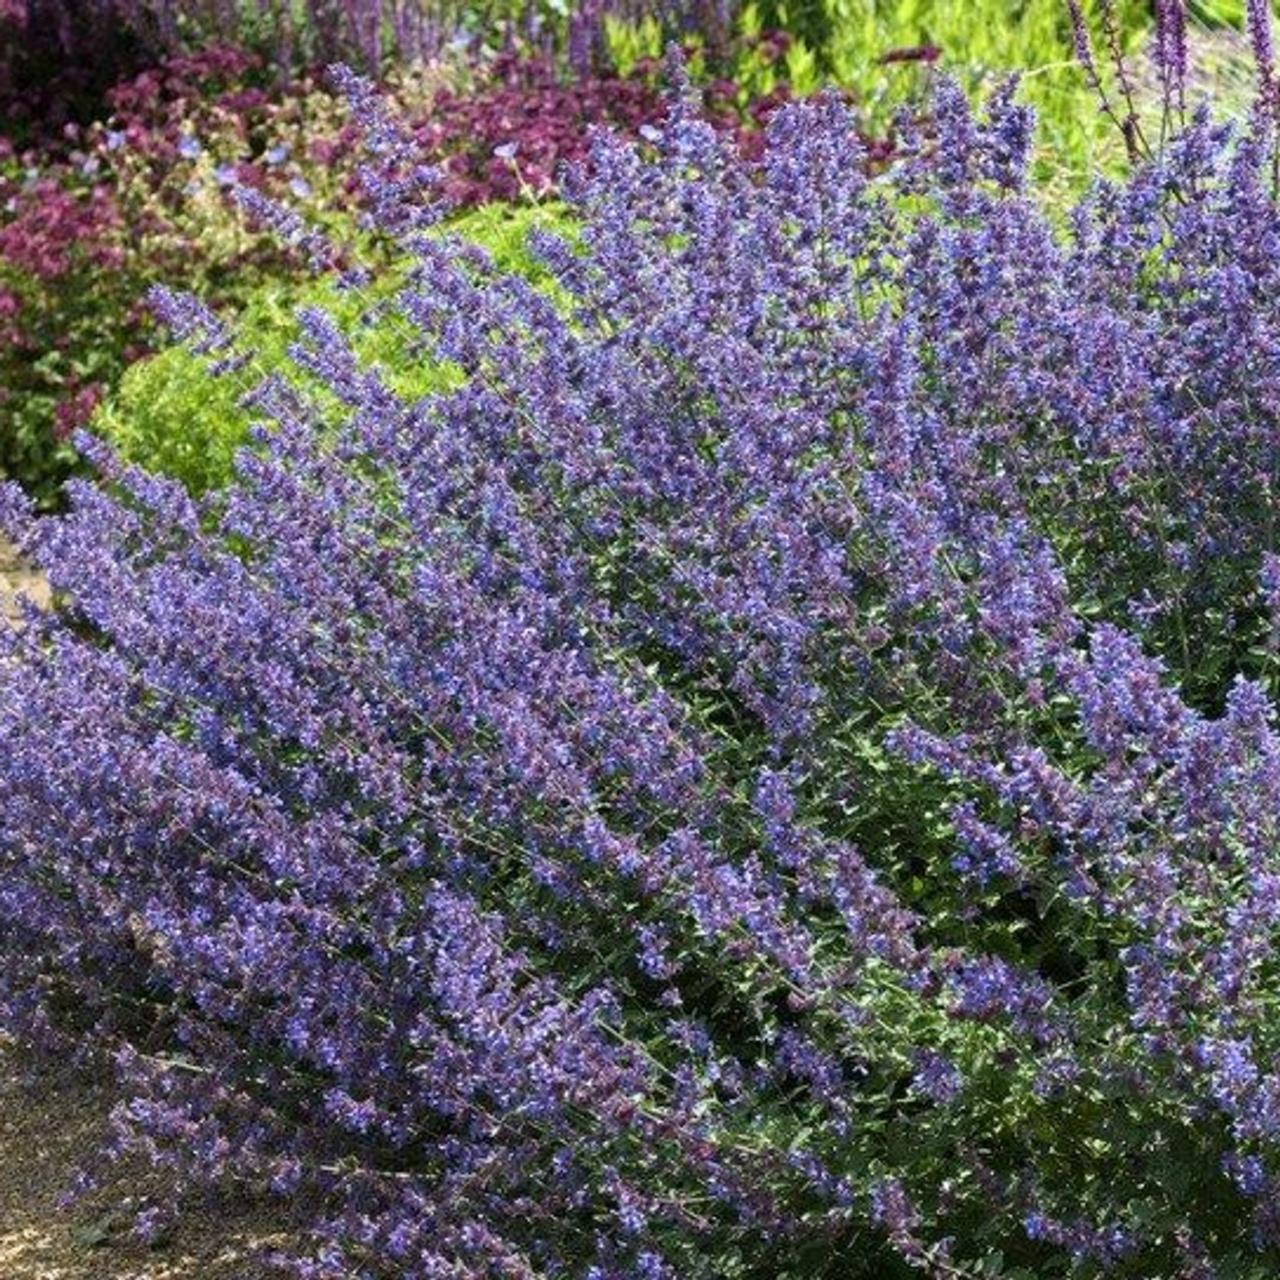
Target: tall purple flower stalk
x,y
1258,21
1171,53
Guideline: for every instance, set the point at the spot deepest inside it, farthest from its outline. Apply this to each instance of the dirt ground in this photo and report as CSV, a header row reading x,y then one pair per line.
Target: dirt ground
x,y
48,1126
16,578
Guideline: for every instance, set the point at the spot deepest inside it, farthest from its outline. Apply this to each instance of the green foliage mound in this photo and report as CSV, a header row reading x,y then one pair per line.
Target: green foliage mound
x,y
168,415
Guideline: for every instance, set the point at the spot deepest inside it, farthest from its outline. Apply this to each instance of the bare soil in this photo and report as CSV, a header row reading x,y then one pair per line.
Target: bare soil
x,y
18,579
50,1126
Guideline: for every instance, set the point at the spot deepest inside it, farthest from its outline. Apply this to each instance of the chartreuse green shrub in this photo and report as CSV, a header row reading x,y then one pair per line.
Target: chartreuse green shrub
x,y
169,416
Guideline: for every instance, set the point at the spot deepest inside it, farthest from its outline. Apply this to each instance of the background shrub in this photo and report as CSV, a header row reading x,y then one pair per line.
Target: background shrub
x,y
88,226
150,195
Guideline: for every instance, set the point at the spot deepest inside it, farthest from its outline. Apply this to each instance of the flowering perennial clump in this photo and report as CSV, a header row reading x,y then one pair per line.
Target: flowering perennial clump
x,y
772,773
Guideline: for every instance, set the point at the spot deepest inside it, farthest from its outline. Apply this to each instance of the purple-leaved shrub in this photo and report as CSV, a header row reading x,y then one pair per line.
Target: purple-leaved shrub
x,y
774,775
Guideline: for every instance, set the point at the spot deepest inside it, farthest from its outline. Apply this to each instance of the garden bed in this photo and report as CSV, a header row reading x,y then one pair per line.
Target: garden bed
x,y
720,721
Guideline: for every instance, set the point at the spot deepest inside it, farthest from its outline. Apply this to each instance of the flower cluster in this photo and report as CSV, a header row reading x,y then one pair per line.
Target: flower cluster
x,y
771,771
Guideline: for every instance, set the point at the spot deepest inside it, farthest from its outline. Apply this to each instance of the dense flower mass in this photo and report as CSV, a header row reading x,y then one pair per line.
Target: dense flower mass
x,y
773,772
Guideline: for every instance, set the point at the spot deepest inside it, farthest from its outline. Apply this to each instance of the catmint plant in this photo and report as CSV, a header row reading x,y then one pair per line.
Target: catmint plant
x,y
770,772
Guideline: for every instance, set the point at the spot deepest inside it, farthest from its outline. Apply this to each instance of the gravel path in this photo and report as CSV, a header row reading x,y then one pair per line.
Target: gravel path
x,y
47,1127
16,579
